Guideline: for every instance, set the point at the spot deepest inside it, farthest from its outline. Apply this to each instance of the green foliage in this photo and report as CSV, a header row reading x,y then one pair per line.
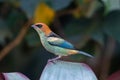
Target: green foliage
x,y
58,4
111,5
4,32
81,26
16,20
29,6
32,38
112,25
69,18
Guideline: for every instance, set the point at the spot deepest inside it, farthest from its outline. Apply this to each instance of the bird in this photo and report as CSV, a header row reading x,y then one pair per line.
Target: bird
x,y
53,43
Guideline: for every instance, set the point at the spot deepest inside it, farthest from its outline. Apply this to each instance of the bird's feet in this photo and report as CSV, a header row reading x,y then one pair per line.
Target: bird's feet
x,y
54,59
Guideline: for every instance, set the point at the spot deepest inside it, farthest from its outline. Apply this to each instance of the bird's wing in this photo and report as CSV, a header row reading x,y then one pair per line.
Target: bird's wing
x,y
56,40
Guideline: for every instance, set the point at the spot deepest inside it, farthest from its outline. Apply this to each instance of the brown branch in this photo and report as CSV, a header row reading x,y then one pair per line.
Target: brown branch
x,y
16,41
98,58
109,50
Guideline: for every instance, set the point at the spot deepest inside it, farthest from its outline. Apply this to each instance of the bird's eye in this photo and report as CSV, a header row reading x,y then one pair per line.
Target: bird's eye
x,y
39,25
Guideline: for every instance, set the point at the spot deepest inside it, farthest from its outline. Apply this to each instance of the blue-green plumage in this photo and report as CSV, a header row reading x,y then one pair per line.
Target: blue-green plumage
x,y
55,40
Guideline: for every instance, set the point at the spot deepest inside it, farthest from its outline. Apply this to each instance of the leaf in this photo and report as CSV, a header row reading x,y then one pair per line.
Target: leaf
x,y
94,5
111,5
14,2
29,6
32,38
14,76
98,36
58,4
62,70
16,20
81,26
79,2
44,14
86,8
4,32
112,25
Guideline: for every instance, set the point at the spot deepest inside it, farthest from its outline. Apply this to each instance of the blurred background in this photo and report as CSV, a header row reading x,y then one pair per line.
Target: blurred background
x,y
92,26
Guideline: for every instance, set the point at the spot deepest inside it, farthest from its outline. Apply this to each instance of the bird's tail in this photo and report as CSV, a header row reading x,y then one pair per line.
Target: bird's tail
x,y
84,53
79,52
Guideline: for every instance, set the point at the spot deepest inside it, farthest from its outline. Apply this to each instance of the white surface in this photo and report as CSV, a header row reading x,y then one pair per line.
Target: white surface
x,y
15,76
61,70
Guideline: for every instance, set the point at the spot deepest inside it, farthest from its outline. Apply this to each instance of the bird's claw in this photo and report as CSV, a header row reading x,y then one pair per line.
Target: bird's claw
x,y
51,61
54,59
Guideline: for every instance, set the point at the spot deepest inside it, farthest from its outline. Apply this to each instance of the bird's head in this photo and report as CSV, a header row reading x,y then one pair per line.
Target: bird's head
x,y
41,27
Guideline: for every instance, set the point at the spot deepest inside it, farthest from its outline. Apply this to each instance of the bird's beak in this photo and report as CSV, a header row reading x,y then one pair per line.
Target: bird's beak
x,y
33,26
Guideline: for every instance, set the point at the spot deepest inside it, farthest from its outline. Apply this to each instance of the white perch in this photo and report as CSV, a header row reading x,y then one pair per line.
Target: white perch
x,y
14,76
62,70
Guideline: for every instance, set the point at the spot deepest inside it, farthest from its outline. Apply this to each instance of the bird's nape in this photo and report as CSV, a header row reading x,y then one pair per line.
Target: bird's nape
x,y
39,25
